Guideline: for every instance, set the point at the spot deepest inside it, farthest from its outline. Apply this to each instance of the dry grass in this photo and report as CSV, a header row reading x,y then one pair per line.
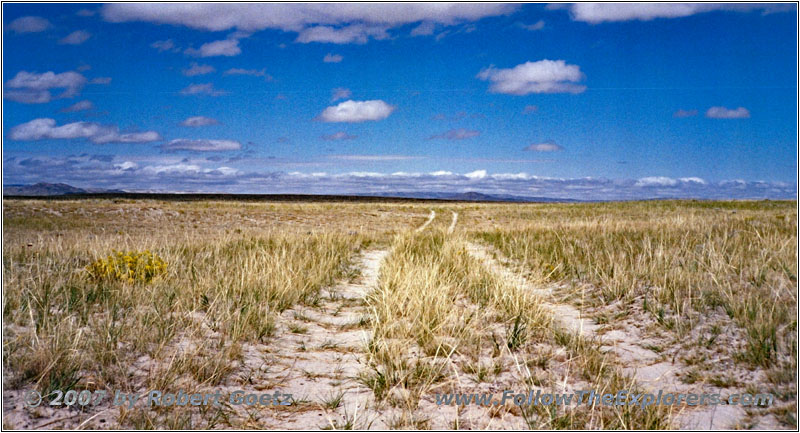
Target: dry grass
x,y
439,320
681,261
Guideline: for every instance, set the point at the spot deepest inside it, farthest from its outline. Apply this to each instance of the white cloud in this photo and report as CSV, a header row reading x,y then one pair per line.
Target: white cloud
x,y
547,146
341,135
252,72
356,33
475,175
78,106
101,80
661,181
340,93
544,76
727,113
162,46
28,96
357,111
609,12
332,58
46,129
127,165
425,29
178,173
199,121
684,113
202,89
532,27
197,69
226,47
456,134
657,181
29,24
202,145
86,13
173,169
297,16
75,38
34,88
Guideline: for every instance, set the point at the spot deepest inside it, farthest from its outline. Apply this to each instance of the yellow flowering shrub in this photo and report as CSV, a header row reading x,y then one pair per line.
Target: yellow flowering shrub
x,y
131,267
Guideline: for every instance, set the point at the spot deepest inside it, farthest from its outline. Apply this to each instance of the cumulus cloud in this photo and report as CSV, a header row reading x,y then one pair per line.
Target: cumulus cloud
x,y
177,173
34,88
657,181
202,89
475,175
198,69
296,17
202,145
29,24
538,25
341,135
46,129
684,113
356,33
75,38
101,80
456,134
196,121
226,47
609,12
340,93
78,106
727,113
251,72
425,29
544,76
86,13
357,111
547,146
332,58
165,45
126,165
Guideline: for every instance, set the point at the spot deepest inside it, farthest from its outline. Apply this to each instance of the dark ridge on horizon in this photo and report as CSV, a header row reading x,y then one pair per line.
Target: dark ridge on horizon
x,y
43,190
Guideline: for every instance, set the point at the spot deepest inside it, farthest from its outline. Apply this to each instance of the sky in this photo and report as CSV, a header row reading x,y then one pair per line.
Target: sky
x,y
584,101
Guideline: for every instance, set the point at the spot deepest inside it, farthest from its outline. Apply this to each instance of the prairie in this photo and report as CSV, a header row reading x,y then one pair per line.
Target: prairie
x,y
364,312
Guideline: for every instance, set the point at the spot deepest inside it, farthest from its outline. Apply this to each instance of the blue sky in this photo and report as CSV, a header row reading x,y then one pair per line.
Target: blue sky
x,y
591,101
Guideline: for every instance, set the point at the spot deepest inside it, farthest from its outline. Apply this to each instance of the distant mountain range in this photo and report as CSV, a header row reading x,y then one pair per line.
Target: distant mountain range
x,y
43,189
47,189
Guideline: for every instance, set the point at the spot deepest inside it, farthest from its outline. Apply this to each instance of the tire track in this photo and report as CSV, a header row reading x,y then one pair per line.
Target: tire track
x,y
645,366
453,224
427,222
321,351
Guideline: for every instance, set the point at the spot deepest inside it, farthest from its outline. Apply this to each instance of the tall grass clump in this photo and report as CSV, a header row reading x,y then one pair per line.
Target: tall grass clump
x,y
78,314
434,297
685,259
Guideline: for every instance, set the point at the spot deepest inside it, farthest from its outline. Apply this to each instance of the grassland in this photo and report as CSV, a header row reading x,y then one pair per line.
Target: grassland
x,y
364,318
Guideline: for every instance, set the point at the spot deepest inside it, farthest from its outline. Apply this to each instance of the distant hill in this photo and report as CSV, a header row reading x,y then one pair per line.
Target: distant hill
x,y
48,189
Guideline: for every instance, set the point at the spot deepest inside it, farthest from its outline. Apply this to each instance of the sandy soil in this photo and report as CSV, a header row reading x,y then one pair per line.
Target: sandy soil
x,y
631,344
